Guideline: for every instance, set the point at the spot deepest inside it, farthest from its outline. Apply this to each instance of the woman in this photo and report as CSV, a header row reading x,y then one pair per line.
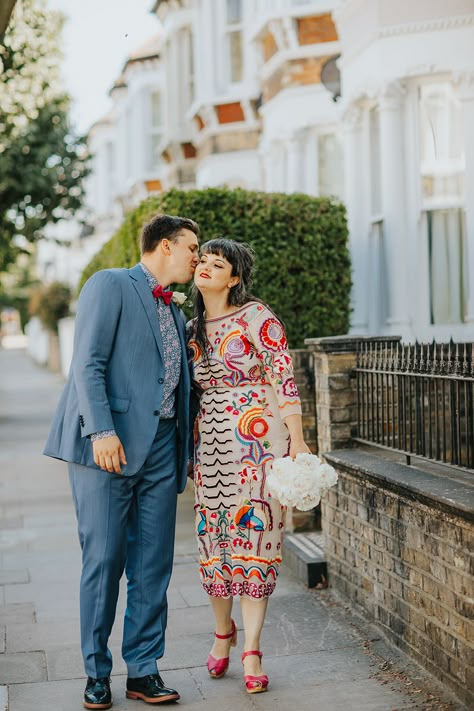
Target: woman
x,y
250,413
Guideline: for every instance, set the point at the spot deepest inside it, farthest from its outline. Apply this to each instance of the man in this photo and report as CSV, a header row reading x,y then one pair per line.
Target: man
x,y
122,424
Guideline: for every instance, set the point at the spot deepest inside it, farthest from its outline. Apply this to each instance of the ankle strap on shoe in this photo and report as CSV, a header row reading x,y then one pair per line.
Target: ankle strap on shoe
x,y
252,652
226,636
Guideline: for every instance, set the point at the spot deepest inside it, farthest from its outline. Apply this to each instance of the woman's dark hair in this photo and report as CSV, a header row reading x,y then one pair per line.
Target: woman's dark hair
x,y
241,258
165,227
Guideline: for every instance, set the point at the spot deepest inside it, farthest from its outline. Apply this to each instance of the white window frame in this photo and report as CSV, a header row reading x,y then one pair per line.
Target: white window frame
x,y
228,29
379,305
155,131
444,330
186,69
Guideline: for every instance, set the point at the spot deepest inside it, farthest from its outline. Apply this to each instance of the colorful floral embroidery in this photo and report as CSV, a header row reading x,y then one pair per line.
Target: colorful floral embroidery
x,y
273,335
194,351
289,388
247,517
246,382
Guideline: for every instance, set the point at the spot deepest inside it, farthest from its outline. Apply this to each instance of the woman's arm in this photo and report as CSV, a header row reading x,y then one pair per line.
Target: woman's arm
x,y
295,428
268,336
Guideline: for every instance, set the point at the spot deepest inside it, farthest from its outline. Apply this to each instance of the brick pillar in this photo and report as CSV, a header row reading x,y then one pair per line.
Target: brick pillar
x,y
304,378
334,358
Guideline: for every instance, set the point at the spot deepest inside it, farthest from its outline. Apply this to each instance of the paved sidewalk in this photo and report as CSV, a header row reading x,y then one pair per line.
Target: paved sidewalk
x,y
318,655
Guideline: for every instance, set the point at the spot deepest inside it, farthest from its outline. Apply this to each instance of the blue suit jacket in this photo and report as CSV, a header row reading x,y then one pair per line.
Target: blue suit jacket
x,y
117,374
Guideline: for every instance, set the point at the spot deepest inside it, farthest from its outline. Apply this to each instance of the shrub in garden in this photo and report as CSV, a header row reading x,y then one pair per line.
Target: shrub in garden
x,y
301,244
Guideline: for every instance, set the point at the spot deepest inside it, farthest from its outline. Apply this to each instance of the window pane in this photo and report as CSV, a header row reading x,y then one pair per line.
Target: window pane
x,y
448,276
191,66
234,11
330,166
156,118
235,52
442,143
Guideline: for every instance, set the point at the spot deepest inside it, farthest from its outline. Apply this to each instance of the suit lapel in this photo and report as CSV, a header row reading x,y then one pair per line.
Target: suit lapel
x,y
182,339
141,285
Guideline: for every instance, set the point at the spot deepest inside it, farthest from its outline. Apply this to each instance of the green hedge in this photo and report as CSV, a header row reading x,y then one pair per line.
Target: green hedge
x,y
303,264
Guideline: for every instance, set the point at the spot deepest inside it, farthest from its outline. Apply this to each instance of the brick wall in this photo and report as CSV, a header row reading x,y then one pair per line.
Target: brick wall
x,y
294,72
303,369
410,566
238,140
269,46
230,113
399,539
317,29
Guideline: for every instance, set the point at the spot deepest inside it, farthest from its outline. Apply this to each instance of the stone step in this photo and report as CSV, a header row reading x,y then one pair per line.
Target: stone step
x,y
304,555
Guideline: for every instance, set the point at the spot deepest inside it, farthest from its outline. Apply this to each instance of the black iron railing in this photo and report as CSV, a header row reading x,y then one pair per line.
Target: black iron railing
x,y
417,399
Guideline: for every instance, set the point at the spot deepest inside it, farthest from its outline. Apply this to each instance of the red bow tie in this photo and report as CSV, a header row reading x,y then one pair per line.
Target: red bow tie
x,y
160,293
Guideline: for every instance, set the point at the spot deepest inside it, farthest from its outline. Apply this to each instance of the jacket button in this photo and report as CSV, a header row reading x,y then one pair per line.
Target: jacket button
x,y
156,412
161,380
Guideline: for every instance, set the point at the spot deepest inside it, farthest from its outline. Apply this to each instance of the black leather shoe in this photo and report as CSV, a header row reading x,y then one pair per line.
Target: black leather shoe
x,y
150,689
97,694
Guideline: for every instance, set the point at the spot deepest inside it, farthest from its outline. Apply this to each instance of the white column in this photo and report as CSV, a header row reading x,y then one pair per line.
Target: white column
x,y
354,162
311,177
394,205
268,160
296,163
466,94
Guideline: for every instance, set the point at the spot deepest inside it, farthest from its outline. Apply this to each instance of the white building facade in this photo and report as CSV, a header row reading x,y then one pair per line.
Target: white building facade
x,y
369,101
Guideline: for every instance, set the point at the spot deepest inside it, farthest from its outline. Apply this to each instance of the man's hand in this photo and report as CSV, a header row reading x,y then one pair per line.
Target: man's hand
x,y
109,454
190,469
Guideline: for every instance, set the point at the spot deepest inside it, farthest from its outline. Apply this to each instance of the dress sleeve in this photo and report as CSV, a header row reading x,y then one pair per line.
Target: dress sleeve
x,y
268,336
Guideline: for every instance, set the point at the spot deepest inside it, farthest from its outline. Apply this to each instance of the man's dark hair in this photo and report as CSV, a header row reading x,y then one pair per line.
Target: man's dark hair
x,y
165,227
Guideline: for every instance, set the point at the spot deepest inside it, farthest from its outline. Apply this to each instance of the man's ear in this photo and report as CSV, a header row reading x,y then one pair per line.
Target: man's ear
x,y
165,246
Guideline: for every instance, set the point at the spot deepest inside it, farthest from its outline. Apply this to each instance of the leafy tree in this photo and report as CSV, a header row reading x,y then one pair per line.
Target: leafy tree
x,y
42,164
51,303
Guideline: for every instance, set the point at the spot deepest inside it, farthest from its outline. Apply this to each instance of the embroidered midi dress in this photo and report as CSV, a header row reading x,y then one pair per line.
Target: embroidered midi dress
x,y
248,387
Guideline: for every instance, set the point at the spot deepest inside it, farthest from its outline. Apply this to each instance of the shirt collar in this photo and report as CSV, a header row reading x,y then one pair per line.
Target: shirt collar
x,y
152,281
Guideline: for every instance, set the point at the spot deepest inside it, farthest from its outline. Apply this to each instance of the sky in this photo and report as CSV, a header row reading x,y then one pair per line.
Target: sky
x,y
97,38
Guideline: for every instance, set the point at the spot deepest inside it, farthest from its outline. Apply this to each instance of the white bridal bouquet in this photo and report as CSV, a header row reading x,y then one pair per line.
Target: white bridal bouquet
x,y
301,481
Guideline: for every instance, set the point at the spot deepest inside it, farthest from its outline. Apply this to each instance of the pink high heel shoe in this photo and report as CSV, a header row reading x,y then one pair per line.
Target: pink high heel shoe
x,y
218,667
255,684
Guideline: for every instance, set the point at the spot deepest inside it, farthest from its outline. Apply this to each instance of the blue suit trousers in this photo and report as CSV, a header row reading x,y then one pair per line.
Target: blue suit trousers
x,y
127,523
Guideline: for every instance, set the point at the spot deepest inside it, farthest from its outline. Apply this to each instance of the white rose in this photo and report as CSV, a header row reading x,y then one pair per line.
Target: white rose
x,y
178,298
327,476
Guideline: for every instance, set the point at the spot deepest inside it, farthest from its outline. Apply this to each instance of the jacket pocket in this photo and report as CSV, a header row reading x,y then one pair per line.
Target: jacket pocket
x,y
119,404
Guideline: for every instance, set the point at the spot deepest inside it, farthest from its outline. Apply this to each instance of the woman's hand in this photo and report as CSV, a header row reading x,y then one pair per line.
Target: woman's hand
x,y
298,446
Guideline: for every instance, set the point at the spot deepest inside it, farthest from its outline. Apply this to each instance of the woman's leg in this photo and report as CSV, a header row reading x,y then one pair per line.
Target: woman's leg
x,y
222,608
253,615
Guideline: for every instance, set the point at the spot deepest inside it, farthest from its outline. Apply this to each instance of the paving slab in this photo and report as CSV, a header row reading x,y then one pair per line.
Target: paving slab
x,y
24,612
23,637
20,668
14,577
318,652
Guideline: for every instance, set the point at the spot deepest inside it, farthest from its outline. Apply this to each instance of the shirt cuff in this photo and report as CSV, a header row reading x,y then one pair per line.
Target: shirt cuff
x,y
101,435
